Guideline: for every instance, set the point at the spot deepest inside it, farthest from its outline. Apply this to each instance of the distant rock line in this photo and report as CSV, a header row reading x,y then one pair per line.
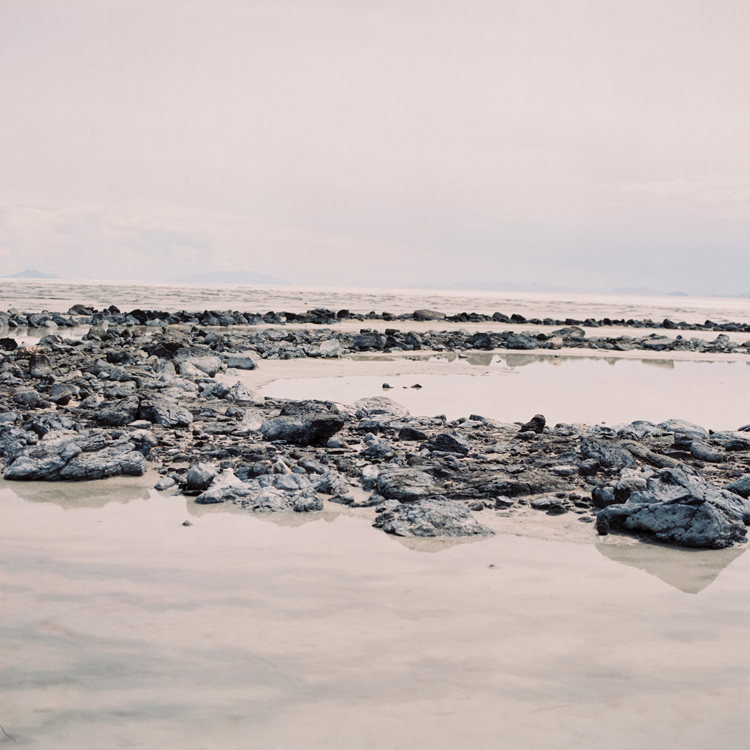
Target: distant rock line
x,y
328,342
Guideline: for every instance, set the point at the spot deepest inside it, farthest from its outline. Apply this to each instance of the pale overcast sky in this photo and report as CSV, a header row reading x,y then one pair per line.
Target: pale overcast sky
x,y
576,143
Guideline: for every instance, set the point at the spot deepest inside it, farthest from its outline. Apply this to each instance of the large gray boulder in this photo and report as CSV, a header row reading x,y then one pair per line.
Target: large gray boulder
x,y
404,484
63,454
678,507
430,517
304,423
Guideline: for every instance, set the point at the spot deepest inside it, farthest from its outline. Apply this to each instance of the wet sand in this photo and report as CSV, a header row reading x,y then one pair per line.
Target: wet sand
x,y
123,628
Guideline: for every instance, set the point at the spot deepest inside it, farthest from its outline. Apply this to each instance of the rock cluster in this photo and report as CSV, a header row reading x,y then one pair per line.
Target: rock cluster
x,y
124,396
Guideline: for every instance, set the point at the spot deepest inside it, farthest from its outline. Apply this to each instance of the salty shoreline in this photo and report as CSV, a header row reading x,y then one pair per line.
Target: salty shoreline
x,y
101,405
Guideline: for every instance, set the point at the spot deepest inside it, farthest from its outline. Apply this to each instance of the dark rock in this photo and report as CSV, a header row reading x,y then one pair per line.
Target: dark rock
x,y
430,517
678,507
200,476
740,486
305,423
603,496
121,413
8,344
519,341
411,433
450,442
428,315
588,467
535,424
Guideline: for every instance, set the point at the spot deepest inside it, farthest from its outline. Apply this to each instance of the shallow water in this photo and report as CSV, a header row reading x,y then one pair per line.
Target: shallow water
x,y
514,386
123,628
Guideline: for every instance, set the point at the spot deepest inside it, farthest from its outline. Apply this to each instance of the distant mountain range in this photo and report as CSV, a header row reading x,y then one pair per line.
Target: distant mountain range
x,y
30,273
231,277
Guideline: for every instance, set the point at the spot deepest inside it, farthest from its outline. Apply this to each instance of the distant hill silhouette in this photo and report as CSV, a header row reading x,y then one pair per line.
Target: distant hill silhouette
x,y
230,277
30,273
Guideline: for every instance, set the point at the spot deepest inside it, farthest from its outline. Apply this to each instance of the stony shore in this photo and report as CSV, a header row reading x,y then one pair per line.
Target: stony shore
x,y
140,388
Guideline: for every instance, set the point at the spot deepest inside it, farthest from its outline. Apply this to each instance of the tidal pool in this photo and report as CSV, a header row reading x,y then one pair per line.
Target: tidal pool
x,y
123,628
514,386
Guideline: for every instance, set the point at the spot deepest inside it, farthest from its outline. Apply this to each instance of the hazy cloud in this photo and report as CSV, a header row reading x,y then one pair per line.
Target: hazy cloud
x,y
369,141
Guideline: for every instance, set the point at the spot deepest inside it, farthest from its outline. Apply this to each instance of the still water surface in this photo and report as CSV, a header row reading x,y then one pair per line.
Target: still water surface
x,y
124,628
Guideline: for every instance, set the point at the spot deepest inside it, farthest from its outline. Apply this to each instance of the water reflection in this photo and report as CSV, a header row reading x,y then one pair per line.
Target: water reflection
x,y
688,570
72,495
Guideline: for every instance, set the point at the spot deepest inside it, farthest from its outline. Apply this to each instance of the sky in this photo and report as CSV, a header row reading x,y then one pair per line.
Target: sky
x,y
572,144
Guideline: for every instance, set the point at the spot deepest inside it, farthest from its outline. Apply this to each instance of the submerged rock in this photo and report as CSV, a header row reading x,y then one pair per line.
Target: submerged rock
x,y
430,517
678,507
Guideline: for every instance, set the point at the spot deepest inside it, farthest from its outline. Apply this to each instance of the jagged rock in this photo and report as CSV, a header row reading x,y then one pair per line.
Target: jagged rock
x,y
49,422
606,453
121,413
404,484
12,440
678,507
65,455
450,442
310,424
430,517
535,424
200,476
165,413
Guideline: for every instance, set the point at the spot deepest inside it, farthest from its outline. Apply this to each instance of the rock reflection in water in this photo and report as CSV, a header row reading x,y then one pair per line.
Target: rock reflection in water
x,y
688,570
72,495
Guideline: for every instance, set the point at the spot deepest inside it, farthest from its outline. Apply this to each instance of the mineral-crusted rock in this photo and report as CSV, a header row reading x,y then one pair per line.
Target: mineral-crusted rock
x,y
430,517
63,454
